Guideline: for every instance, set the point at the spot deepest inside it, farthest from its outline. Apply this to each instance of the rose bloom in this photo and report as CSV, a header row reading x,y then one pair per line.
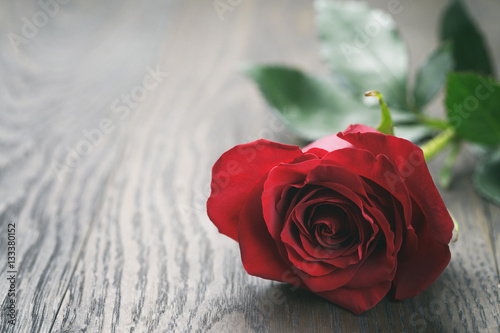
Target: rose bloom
x,y
348,217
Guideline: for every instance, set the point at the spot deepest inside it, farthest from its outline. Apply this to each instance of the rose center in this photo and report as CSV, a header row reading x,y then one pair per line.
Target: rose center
x,y
330,224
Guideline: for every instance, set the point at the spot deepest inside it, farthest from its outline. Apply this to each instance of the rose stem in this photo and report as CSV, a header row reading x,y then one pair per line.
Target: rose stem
x,y
441,141
386,125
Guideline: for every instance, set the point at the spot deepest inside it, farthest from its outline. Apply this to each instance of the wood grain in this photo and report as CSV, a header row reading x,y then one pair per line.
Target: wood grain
x,y
121,242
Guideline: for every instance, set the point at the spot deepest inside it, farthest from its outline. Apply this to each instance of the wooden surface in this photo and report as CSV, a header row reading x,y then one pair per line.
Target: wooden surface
x,y
120,241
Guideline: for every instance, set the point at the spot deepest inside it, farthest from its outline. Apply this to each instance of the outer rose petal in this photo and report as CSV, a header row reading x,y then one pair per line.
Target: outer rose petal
x,y
415,276
377,268
356,128
357,300
236,173
318,152
259,253
427,263
328,143
335,141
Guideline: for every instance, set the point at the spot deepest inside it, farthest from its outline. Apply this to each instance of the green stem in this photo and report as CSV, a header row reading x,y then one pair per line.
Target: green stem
x,y
386,125
434,146
433,122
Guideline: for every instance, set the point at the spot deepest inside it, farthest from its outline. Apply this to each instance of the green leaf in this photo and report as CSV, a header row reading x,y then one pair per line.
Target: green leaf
x,y
487,177
432,75
363,49
469,47
312,107
473,107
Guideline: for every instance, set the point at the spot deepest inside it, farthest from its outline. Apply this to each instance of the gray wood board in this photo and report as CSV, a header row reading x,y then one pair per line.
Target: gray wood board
x,y
121,241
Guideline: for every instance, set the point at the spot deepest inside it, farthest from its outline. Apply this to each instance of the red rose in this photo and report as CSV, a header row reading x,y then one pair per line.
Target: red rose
x,y
348,217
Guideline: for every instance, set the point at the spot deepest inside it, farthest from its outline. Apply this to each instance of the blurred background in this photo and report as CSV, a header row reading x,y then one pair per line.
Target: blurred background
x,y
112,115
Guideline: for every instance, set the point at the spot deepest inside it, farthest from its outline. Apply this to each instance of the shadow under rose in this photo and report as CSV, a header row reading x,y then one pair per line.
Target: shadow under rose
x,y
438,309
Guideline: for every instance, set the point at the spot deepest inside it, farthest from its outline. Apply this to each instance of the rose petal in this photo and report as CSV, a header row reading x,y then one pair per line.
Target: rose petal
x,y
378,169
313,268
318,251
363,228
318,152
391,208
328,143
419,271
433,225
428,263
236,173
410,162
317,248
382,222
305,208
335,174
377,268
259,253
336,279
278,179
357,300
358,128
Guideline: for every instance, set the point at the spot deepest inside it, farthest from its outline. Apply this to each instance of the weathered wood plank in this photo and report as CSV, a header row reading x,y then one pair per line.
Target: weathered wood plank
x,y
200,284
122,242
61,82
